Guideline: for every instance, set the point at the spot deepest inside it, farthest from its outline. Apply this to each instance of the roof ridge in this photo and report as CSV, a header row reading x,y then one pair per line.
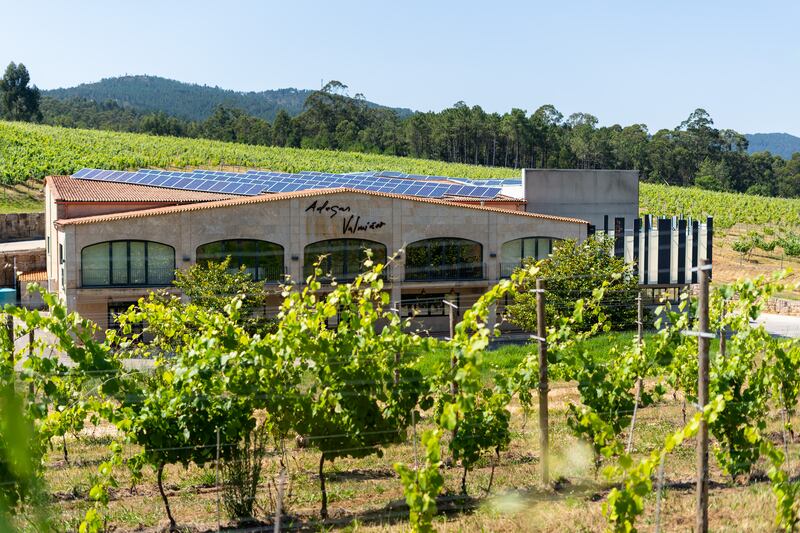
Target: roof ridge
x,y
69,189
246,200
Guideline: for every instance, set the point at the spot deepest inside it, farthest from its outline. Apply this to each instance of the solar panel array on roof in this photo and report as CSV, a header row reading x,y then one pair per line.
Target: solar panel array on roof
x,y
255,182
489,183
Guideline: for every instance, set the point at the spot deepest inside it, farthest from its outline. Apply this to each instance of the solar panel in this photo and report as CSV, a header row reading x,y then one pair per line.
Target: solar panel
x,y
257,182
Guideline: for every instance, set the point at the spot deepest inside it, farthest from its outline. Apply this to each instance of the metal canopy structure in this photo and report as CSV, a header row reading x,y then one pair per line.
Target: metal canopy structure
x,y
254,182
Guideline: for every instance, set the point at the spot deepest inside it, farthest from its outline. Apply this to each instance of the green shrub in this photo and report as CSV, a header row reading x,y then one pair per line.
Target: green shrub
x,y
790,245
572,272
744,245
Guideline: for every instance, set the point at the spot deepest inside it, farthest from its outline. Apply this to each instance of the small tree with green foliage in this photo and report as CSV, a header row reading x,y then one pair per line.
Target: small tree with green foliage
x,y
571,273
213,285
361,384
475,413
174,416
41,397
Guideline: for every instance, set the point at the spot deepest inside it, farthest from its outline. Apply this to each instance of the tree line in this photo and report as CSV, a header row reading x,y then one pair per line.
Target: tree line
x,y
693,153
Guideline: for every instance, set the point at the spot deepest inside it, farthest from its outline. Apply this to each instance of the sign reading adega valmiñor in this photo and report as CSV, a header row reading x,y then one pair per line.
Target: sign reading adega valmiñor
x,y
351,223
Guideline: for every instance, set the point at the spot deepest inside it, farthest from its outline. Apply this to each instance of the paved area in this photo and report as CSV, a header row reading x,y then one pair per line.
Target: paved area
x,y
21,246
781,325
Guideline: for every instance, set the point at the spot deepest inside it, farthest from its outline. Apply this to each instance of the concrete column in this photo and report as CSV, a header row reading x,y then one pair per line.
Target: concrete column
x,y
186,247
398,269
297,244
491,247
491,320
396,295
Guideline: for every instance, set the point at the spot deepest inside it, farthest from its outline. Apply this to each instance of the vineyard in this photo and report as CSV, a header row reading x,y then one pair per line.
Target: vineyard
x,y
317,426
33,151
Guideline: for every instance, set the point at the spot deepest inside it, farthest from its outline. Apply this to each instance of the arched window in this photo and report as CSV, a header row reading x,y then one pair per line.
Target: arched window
x,y
262,259
345,257
443,259
127,263
514,252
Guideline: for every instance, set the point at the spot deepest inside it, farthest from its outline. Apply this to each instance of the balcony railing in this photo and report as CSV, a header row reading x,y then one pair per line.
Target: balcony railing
x,y
338,274
457,272
266,274
506,269
133,277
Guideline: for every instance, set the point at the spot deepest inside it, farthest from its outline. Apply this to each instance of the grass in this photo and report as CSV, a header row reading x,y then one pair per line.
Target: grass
x,y
507,356
22,198
365,494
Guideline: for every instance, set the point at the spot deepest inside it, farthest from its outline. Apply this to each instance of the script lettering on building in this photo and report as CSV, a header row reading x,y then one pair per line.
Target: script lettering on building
x,y
327,207
351,224
354,224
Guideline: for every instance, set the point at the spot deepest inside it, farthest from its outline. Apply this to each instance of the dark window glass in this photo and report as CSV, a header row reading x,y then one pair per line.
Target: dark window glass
x,y
513,253
424,305
443,259
344,257
261,259
127,263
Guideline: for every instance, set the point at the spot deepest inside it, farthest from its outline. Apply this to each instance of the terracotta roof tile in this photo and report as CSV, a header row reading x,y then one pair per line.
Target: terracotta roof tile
x,y
264,198
69,189
38,275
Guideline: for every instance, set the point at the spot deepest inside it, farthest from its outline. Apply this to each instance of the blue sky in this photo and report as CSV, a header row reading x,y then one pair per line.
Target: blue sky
x,y
625,61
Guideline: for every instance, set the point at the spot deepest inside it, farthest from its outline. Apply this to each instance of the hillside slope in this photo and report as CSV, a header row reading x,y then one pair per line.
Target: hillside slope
x,y
781,144
34,151
186,100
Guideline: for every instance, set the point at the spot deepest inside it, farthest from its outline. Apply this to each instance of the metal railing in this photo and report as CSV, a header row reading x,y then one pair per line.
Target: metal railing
x,y
127,277
456,272
269,274
338,273
506,269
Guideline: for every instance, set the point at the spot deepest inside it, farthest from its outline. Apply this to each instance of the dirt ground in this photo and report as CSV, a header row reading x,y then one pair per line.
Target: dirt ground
x,y
366,495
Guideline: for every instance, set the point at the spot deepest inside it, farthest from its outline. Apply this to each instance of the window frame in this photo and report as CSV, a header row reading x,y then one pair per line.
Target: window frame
x,y
505,265
235,255
378,249
112,263
429,267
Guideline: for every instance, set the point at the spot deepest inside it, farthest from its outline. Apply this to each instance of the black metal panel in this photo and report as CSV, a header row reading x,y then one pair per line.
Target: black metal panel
x,y
647,220
664,248
619,237
710,243
605,224
590,230
637,230
695,248
681,251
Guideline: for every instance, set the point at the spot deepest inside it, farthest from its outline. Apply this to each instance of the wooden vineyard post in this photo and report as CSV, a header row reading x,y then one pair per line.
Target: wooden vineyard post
x,y
541,333
451,313
702,398
639,340
396,311
722,340
10,330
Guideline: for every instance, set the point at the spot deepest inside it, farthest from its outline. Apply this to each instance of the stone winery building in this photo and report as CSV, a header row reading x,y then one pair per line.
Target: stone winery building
x,y
112,237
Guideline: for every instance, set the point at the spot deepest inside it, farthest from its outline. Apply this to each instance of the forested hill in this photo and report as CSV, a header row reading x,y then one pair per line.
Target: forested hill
x,y
782,144
187,100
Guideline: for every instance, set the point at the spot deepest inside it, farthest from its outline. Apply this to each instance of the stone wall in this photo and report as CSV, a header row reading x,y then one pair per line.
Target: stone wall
x,y
783,307
21,226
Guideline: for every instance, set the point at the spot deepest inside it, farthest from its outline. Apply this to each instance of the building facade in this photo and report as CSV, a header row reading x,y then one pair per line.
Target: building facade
x,y
109,244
